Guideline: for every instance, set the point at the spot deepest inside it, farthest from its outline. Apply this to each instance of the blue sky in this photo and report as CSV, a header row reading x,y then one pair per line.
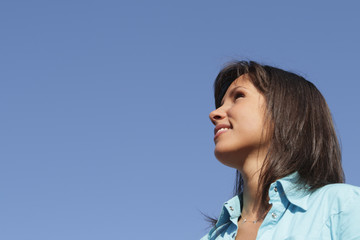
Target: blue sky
x,y
104,129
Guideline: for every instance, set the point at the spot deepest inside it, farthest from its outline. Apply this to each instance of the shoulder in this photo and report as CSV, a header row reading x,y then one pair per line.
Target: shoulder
x,y
343,205
340,191
340,188
338,197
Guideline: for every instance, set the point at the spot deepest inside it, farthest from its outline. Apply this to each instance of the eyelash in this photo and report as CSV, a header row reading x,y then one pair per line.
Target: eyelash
x,y
238,95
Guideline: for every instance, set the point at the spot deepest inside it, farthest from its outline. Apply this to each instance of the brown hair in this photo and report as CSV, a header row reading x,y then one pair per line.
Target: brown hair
x,y
303,137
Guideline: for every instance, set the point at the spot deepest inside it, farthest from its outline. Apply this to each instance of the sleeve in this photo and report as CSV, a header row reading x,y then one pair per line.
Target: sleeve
x,y
346,224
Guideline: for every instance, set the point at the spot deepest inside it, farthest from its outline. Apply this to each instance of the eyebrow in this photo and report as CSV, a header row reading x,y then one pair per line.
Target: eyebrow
x,y
232,93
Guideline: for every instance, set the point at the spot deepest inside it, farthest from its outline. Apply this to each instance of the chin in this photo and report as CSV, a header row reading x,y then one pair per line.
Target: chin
x,y
227,158
232,155
225,150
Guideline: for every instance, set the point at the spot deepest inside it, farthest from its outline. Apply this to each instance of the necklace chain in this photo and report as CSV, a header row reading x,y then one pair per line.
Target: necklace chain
x,y
253,221
244,220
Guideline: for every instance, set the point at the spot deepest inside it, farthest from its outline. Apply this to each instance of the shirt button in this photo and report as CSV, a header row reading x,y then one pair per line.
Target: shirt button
x,y
273,215
275,189
231,208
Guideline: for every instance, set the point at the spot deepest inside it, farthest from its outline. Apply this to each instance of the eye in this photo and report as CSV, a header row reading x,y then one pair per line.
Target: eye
x,y
239,95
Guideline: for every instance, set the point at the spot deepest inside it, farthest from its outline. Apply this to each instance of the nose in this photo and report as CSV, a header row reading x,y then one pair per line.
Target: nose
x,y
217,115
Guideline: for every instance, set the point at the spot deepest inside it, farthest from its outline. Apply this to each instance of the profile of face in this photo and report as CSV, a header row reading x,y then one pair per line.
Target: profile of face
x,y
240,129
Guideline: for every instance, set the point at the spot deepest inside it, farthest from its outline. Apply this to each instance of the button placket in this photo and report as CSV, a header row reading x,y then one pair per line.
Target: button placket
x,y
277,205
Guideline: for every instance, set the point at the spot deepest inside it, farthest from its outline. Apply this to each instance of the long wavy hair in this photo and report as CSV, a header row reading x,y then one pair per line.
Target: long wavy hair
x,y
303,137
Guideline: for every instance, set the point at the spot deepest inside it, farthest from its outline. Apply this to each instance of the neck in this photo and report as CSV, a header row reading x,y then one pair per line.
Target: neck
x,y
251,203
252,206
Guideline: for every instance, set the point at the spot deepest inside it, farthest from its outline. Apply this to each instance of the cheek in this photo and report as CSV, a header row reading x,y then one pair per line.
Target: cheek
x,y
249,127
254,126
248,122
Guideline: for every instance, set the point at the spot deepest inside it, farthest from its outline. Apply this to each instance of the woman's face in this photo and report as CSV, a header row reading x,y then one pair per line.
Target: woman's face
x,y
240,132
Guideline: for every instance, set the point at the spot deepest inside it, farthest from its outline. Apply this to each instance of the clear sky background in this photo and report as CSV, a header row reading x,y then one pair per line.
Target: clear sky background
x,y
104,107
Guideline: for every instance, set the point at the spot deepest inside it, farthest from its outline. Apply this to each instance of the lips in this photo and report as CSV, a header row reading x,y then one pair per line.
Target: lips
x,y
220,128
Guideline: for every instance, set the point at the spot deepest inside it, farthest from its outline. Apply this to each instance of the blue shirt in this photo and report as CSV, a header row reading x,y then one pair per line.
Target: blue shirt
x,y
330,212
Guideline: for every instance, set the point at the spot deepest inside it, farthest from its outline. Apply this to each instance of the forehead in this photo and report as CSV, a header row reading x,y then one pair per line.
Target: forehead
x,y
242,82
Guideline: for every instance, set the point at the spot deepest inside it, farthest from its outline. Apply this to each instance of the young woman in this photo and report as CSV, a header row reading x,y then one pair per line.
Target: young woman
x,y
275,128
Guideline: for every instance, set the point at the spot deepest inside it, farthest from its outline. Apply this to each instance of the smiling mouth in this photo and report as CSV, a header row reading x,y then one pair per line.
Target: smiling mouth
x,y
220,131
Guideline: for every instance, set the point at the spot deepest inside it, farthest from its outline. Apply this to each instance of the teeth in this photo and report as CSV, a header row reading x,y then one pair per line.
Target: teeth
x,y
222,129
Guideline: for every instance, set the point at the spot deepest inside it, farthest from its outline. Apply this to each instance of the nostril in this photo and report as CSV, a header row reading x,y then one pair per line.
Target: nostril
x,y
217,115
214,117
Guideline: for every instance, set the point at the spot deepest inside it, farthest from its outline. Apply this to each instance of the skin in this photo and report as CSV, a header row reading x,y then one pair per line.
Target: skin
x,y
244,145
